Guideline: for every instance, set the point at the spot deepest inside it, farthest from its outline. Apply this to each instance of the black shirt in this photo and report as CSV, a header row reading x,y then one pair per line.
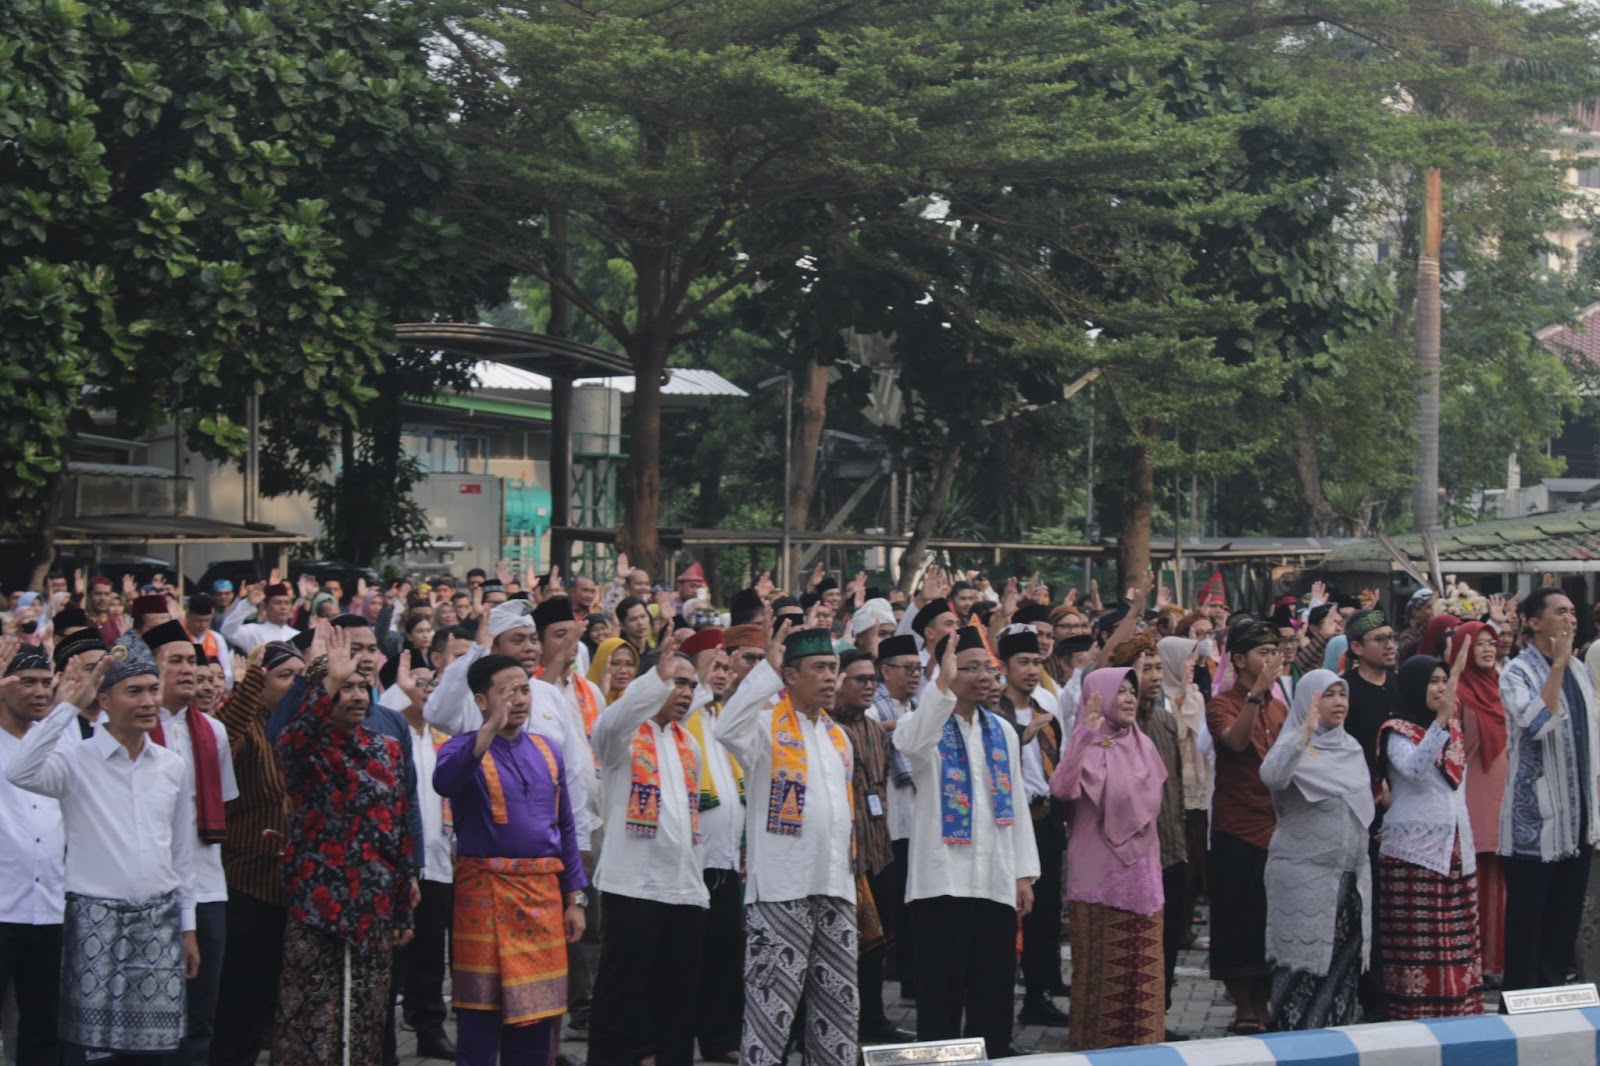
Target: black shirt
x,y
1370,706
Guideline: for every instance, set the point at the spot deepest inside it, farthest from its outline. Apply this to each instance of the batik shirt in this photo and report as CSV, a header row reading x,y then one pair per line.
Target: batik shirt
x,y
348,863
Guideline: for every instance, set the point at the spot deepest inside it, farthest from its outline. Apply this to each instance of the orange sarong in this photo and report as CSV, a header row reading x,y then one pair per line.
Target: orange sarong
x,y
509,943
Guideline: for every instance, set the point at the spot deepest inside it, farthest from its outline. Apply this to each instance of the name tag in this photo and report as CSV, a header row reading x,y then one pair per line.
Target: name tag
x,y
874,805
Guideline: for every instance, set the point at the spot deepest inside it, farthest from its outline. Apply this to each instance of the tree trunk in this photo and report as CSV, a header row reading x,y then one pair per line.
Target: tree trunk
x,y
1308,471
641,517
1425,496
1133,547
922,532
42,541
708,510
807,444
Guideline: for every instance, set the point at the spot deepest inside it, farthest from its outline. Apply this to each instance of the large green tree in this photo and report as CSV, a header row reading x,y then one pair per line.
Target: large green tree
x,y
204,200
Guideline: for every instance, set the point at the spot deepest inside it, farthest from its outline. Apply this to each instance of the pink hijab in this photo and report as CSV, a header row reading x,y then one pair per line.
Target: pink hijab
x,y
1117,769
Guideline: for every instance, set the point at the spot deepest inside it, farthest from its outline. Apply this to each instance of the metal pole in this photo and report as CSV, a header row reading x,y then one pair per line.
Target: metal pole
x,y
788,476
1088,489
252,459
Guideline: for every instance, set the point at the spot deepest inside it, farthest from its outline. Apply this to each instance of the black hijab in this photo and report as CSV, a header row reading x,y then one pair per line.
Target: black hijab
x,y
1415,674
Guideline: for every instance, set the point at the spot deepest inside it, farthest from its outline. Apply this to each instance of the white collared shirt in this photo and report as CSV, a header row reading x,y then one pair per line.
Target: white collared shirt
x,y
438,864
778,867
34,843
247,636
210,883
451,709
902,798
129,821
1034,781
722,827
990,866
666,867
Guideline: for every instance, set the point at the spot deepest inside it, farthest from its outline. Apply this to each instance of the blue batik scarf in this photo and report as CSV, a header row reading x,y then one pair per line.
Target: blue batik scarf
x,y
955,796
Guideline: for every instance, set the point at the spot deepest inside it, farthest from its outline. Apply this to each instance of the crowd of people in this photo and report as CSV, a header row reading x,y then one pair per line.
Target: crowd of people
x,y
264,818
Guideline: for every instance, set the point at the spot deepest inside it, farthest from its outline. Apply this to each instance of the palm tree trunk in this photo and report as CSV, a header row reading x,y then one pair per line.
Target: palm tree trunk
x,y
1425,496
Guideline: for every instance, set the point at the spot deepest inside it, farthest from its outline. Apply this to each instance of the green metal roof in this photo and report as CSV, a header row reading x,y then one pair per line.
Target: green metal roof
x,y
1560,537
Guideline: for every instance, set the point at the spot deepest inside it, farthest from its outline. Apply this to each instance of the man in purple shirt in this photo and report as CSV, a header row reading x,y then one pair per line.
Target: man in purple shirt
x,y
519,877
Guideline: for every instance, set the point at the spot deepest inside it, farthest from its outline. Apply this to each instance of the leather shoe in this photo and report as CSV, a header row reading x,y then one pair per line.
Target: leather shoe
x,y
435,1046
1042,1012
886,1032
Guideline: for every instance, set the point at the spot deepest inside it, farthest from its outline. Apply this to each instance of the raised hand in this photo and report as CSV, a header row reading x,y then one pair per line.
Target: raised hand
x,y
1071,598
775,645
552,583
947,665
274,576
129,588
1313,717
321,634
764,585
341,664
502,572
667,650
80,684
623,569
309,586
9,646
1269,673
1092,716
1163,596
1094,595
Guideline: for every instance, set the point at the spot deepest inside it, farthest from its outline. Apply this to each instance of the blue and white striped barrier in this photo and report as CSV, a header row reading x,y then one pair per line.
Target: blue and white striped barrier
x,y
1559,1038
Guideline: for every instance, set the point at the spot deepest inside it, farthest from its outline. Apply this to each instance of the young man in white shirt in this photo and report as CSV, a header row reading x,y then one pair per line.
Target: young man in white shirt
x,y
31,877
973,858
272,605
900,671
800,892
128,942
720,1013
655,897
202,742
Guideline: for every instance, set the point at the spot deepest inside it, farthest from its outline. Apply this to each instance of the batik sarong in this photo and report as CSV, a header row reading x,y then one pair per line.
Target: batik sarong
x,y
509,944
801,947
1118,981
122,983
312,1027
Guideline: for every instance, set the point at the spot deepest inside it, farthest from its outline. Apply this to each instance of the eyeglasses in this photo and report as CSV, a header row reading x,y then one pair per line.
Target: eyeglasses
x,y
910,668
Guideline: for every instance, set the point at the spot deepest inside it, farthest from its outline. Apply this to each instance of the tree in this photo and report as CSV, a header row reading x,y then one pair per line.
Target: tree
x,y
199,201
707,145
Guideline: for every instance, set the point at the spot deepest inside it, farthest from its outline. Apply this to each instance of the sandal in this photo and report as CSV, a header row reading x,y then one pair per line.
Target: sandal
x,y
1245,1027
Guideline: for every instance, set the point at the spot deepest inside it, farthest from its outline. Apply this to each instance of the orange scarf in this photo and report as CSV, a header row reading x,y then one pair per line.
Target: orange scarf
x,y
587,706
786,802
644,795
497,792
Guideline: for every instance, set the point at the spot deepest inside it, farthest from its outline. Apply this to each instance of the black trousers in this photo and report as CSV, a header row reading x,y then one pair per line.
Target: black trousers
x,y
966,967
424,960
203,993
869,964
1041,929
649,955
1238,910
1544,907
1174,917
30,963
247,999
721,1013
903,933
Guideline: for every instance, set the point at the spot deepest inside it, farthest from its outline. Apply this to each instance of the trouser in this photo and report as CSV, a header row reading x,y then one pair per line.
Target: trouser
x,y
904,934
424,960
30,963
583,958
1544,907
721,1006
211,933
647,951
1174,919
966,969
869,964
1041,929
801,948
247,997
482,1041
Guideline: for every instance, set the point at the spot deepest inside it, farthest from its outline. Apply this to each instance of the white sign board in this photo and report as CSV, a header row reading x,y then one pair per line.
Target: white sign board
x,y
937,1052
1558,997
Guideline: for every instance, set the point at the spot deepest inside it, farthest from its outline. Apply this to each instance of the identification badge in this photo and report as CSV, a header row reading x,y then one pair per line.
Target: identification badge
x,y
874,805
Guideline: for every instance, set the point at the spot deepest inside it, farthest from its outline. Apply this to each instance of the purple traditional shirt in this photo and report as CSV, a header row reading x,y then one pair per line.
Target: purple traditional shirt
x,y
539,822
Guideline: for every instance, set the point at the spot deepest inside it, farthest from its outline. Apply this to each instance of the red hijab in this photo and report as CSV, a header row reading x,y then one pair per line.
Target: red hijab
x,y
1433,636
1478,693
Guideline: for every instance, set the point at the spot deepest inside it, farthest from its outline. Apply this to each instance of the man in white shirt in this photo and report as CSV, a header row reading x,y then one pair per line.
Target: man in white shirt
x,y
800,892
720,1013
128,942
509,630
420,965
973,859
1031,709
272,605
34,845
202,742
649,871
900,674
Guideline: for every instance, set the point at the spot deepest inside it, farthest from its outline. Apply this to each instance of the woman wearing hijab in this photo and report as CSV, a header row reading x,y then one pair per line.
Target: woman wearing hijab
x,y
1333,654
1427,888
1319,879
1111,778
1483,729
614,666
1180,686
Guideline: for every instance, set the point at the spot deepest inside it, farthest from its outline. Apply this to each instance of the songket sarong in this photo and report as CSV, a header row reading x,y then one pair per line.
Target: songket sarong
x,y
122,983
508,938
1428,928
1118,982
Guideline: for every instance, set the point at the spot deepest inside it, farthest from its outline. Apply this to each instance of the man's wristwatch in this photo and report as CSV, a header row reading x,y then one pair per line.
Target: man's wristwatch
x,y
577,899
1251,697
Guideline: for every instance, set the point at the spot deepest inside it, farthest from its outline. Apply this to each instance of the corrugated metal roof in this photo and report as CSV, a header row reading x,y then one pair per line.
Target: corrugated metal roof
x,y
1563,536
680,382
491,375
83,466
